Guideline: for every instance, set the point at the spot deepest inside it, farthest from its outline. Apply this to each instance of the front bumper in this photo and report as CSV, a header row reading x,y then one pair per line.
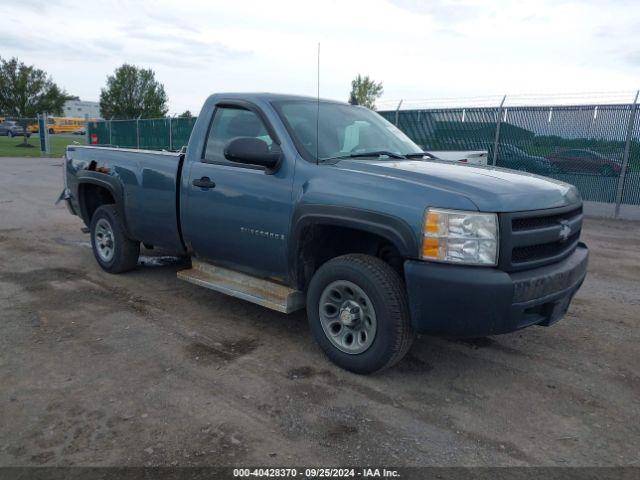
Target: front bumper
x,y
464,301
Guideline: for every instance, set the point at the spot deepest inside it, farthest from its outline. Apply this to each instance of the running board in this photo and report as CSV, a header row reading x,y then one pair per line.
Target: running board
x,y
257,290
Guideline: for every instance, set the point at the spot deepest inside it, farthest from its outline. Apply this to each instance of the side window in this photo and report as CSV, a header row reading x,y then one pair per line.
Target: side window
x,y
229,123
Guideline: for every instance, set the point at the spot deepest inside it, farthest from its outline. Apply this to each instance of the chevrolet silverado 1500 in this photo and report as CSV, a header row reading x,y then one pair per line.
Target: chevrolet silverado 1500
x,y
289,201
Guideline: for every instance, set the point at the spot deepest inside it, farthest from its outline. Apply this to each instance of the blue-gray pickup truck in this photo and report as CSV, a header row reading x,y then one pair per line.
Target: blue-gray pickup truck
x,y
289,202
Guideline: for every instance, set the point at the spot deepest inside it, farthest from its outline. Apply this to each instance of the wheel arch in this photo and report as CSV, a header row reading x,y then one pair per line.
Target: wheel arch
x,y
96,189
311,224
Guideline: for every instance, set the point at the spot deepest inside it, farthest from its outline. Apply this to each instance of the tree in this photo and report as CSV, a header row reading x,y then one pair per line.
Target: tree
x,y
365,92
133,92
186,114
26,91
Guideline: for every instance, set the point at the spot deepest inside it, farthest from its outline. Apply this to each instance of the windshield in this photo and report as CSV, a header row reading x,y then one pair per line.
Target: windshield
x,y
342,130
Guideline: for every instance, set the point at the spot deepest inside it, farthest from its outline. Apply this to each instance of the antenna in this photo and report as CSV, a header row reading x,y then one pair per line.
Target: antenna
x,y
318,110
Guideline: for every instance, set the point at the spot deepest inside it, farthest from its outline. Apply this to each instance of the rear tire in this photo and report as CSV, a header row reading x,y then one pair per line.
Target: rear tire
x,y
342,284
115,252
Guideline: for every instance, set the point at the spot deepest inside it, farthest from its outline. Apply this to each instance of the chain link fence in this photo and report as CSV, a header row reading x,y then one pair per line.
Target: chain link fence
x,y
170,133
15,127
61,132
595,147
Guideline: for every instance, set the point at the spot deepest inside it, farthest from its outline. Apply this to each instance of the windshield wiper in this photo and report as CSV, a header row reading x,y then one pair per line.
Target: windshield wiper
x,y
419,155
376,153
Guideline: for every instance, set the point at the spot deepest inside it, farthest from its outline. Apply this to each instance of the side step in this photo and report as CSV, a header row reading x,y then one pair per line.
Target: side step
x,y
257,290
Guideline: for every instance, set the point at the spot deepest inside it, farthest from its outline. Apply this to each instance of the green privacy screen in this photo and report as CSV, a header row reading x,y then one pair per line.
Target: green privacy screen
x,y
582,145
150,134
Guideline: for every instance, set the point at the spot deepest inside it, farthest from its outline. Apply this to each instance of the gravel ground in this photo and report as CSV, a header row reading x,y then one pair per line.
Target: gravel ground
x,y
143,369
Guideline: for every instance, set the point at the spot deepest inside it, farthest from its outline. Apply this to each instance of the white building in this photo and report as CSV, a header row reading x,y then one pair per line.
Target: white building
x,y
80,108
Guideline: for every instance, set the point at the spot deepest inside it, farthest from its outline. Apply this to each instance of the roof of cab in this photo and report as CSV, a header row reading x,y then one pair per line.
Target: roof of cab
x,y
270,97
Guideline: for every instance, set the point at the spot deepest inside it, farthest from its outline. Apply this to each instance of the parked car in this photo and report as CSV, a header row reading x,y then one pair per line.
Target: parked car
x,y
11,128
285,201
579,160
514,158
510,156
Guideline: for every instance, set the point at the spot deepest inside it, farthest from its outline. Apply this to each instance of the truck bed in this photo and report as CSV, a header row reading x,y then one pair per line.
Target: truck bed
x,y
147,181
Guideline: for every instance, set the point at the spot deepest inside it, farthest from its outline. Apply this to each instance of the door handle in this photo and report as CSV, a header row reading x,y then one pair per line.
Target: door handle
x,y
204,182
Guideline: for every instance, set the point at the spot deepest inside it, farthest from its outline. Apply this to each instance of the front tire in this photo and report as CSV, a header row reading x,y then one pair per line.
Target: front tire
x,y
358,313
115,252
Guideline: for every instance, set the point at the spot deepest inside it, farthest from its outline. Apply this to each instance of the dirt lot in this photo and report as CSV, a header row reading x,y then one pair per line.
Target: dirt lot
x,y
143,369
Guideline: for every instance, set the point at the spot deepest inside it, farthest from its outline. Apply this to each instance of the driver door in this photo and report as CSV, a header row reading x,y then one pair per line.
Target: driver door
x,y
237,215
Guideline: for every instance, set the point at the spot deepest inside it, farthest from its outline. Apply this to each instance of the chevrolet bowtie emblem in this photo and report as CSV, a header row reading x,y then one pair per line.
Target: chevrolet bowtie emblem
x,y
565,231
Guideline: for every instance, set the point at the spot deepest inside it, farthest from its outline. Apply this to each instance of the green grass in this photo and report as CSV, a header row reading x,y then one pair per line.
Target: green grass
x,y
58,145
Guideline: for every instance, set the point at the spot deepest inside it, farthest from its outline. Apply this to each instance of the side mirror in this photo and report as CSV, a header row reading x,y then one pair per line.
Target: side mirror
x,y
252,151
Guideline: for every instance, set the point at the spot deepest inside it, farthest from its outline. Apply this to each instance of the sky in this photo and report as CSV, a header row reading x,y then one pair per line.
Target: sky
x,y
431,49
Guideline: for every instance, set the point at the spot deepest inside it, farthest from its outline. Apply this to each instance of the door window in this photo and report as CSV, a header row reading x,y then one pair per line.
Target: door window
x,y
229,123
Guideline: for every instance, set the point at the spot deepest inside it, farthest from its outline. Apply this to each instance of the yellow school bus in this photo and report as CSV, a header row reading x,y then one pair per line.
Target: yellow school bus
x,y
62,125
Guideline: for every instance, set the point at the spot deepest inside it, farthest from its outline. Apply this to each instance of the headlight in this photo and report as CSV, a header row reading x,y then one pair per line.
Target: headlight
x,y
456,236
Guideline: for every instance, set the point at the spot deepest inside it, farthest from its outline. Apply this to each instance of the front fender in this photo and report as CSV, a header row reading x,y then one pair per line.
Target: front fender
x,y
395,230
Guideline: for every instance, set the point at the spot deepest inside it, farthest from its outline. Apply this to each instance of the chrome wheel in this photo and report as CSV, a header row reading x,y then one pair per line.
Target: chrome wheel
x,y
347,317
103,239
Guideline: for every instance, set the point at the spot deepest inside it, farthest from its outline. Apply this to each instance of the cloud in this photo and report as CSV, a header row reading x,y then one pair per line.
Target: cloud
x,y
28,42
158,17
186,46
39,6
16,42
632,58
443,11
418,49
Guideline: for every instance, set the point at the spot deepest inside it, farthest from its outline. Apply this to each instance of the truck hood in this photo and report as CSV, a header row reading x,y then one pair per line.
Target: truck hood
x,y
491,189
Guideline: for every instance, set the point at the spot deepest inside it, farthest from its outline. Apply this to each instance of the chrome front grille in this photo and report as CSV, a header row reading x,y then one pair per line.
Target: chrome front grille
x,y
535,238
